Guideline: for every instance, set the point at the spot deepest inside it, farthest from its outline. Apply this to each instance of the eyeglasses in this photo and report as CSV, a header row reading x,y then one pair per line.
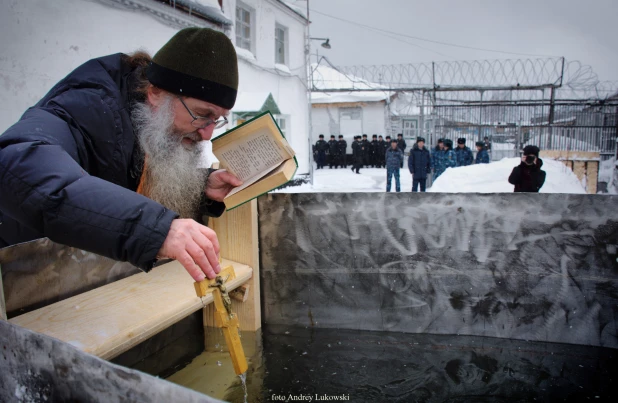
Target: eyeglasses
x,y
202,122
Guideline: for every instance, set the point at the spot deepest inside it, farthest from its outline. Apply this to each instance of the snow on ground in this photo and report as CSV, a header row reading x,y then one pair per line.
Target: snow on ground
x,y
493,178
483,178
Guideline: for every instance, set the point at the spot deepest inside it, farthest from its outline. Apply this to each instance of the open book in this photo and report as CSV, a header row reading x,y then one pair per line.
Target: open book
x,y
258,154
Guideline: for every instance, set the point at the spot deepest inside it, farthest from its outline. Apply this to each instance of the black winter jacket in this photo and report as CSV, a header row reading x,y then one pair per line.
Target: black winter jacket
x,y
528,178
70,167
419,162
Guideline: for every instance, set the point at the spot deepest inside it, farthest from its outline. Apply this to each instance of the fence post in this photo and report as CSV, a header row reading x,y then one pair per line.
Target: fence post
x,y
550,120
481,117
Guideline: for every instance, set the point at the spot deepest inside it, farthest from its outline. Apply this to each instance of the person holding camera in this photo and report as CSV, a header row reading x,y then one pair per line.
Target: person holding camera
x,y
528,176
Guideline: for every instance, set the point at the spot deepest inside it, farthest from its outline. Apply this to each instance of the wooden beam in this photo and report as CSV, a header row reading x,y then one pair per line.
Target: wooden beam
x,y
237,231
592,176
111,319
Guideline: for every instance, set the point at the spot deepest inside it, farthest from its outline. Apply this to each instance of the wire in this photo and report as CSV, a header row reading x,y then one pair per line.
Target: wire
x,y
425,39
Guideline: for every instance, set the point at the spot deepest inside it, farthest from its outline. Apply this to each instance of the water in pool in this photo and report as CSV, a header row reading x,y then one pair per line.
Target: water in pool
x,y
309,364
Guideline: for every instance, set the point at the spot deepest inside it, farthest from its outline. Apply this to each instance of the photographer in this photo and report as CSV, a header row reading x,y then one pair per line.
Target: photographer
x,y
528,176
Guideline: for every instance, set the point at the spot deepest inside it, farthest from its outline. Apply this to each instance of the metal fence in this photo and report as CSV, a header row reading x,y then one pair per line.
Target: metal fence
x,y
509,126
551,103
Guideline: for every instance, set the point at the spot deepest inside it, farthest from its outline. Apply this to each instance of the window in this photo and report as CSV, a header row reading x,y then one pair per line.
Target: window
x,y
410,129
280,44
243,27
281,121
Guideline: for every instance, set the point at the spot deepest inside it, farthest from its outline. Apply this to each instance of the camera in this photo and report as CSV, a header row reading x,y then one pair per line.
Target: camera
x,y
530,159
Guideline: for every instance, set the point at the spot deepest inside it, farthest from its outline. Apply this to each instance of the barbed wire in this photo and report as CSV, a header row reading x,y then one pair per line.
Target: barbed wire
x,y
527,78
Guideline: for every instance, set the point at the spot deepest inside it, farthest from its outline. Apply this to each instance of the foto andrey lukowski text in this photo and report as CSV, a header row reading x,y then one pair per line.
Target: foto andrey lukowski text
x,y
309,398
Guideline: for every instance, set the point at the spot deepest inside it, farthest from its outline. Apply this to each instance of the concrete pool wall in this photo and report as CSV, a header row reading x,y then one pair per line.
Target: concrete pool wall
x,y
519,266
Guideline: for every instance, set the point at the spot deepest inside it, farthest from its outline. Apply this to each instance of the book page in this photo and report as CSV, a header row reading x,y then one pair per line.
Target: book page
x,y
252,180
254,155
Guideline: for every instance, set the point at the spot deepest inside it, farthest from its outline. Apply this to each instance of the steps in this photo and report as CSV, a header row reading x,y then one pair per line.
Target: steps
x,y
111,319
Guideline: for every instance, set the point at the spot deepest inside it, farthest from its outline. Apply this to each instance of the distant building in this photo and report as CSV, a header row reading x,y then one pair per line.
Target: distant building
x,y
348,113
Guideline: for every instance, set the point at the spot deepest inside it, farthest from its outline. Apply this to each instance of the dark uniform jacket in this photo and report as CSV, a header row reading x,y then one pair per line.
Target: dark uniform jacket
x,y
464,156
401,144
528,178
482,157
357,151
70,167
419,162
321,146
343,147
333,147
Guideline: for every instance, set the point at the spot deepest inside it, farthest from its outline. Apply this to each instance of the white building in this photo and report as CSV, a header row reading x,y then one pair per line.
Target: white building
x,y
348,113
42,41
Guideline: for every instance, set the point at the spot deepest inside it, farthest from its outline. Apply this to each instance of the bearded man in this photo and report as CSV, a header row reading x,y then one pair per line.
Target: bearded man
x,y
108,160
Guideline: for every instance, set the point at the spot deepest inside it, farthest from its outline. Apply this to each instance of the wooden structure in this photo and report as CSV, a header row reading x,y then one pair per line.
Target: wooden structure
x,y
584,164
110,319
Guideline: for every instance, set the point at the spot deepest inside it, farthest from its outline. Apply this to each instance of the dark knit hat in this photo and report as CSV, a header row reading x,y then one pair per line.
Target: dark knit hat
x,y
332,136
531,150
199,63
448,143
341,136
461,140
440,141
375,136
419,138
393,141
321,136
480,144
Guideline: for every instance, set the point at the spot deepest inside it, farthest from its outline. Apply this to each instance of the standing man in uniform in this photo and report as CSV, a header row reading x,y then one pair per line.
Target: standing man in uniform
x,y
401,143
357,154
450,159
374,151
381,153
482,157
437,159
342,150
366,150
333,152
463,153
394,159
419,164
320,148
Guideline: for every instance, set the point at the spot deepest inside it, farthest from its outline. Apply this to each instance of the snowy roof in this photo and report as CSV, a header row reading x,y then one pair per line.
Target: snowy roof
x,y
297,8
327,77
209,8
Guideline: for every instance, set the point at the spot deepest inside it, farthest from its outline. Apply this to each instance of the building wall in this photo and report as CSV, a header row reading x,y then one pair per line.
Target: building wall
x,y
42,41
258,73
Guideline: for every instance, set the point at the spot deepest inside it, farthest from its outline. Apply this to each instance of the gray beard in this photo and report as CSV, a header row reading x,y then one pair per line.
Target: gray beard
x,y
171,176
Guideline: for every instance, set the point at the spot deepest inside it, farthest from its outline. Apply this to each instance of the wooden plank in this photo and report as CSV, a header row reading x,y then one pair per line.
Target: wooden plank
x,y
237,231
592,176
579,168
111,319
570,155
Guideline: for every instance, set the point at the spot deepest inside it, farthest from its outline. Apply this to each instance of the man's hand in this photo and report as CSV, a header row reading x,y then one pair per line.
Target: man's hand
x,y
195,246
219,184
